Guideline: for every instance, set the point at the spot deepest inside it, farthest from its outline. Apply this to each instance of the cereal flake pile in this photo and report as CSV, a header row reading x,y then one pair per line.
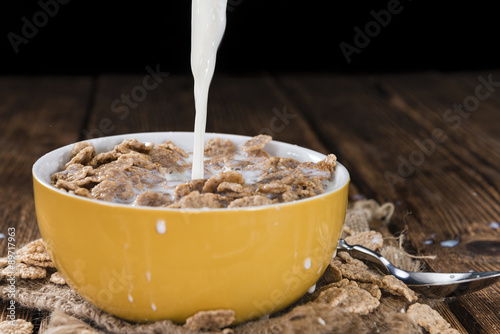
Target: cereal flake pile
x,y
143,174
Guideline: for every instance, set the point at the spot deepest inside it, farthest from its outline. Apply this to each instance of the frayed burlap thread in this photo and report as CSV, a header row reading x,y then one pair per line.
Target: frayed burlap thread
x,y
71,314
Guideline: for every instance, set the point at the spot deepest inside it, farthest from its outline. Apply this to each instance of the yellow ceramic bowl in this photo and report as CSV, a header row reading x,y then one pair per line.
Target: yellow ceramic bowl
x,y
254,261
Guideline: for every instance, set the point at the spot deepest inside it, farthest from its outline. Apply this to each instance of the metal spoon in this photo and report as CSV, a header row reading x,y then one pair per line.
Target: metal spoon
x,y
434,285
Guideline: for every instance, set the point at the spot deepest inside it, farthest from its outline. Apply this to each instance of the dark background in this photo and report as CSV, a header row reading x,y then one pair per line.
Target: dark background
x,y
89,37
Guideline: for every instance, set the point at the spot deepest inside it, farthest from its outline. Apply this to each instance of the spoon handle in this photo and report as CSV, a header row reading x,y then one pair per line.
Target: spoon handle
x,y
363,253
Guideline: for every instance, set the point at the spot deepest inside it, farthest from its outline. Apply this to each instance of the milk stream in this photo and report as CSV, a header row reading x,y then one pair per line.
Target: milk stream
x,y
208,22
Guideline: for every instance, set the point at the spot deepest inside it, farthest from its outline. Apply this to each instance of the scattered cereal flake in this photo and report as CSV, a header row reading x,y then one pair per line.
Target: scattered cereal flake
x,y
256,143
166,157
197,200
79,147
344,282
258,154
83,157
398,288
171,146
255,200
35,253
429,319
57,278
212,183
359,273
349,259
332,296
359,301
137,159
369,239
332,274
286,163
103,158
218,146
66,185
235,189
73,173
24,271
373,289
133,145
18,326
323,169
289,196
350,298
109,190
152,198
185,188
274,187
3,262
81,192
210,320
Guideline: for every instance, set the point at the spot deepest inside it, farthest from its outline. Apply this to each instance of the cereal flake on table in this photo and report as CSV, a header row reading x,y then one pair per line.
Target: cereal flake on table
x,y
430,319
23,270
35,253
57,278
398,288
210,320
18,326
145,174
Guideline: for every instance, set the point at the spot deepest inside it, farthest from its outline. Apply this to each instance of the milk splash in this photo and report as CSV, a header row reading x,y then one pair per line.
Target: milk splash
x,y
208,22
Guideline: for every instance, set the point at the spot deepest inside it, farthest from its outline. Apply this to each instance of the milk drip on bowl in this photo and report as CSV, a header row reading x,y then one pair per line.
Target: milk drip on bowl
x,y
208,22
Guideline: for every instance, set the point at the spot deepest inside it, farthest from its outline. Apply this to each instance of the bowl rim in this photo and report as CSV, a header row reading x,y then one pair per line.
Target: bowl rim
x,y
340,172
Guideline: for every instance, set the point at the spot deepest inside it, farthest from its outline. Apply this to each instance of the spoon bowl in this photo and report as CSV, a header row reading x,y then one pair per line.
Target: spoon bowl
x,y
434,285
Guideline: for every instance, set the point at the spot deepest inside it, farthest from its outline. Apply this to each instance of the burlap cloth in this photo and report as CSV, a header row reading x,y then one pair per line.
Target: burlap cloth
x,y
318,312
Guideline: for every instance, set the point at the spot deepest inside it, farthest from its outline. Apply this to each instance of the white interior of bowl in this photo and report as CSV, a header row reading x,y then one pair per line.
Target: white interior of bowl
x,y
55,160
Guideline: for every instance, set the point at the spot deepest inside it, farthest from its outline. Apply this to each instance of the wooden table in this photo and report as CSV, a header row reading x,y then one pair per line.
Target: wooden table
x,y
429,142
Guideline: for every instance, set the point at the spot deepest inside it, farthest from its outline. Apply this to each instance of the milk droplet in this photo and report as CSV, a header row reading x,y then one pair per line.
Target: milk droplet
x,y
161,227
2,236
449,243
307,263
494,225
312,289
321,321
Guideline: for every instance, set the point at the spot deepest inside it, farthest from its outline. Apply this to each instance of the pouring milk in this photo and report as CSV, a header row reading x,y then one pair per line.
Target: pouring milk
x,y
208,22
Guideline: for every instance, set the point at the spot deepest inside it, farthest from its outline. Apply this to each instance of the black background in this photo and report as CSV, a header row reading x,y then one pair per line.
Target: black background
x,y
89,37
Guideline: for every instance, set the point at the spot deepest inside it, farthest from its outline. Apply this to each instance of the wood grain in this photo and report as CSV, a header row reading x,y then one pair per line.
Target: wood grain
x,y
381,128
38,115
448,191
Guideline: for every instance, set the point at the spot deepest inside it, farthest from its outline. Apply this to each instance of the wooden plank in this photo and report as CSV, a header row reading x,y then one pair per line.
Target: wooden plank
x,y
444,189
38,114
251,106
